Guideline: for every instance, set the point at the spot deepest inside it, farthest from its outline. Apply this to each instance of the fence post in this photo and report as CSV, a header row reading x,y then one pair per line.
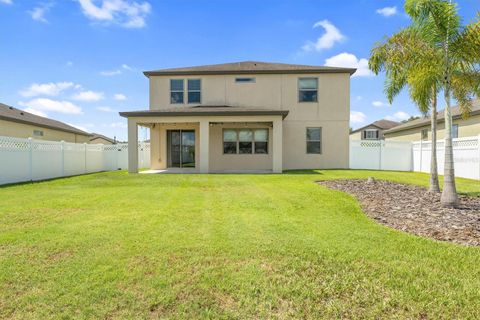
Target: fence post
x,y
85,145
380,154
30,158
478,146
63,157
421,154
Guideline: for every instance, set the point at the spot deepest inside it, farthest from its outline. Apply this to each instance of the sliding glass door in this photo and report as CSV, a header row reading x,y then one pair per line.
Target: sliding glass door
x,y
181,148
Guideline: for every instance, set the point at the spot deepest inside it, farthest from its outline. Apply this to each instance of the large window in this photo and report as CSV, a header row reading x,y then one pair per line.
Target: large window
x,y
314,140
455,131
245,141
307,89
194,90
176,90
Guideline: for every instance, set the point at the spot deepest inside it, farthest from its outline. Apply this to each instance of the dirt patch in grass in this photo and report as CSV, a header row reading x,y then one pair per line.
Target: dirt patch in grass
x,y
413,209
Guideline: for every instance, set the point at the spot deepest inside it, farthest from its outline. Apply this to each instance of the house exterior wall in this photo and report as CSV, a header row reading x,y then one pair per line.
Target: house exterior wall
x,y
21,130
277,91
466,128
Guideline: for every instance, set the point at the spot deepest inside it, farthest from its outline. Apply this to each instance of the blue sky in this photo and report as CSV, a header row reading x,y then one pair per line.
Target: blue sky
x,y
81,61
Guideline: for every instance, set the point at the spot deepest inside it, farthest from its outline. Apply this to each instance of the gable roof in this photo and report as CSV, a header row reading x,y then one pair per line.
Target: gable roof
x,y
101,136
205,111
12,114
382,124
248,67
456,114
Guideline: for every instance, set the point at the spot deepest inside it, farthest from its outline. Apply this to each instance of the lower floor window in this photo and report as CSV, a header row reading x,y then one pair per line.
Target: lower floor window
x,y
314,140
245,141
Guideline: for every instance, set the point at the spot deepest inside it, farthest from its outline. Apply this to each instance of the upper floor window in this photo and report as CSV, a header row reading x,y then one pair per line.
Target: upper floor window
x,y
370,134
455,131
424,134
314,140
176,90
307,89
38,133
244,80
194,90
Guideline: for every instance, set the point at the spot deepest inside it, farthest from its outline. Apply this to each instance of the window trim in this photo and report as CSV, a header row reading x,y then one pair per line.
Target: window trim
x,y
237,130
199,91
182,91
298,89
307,141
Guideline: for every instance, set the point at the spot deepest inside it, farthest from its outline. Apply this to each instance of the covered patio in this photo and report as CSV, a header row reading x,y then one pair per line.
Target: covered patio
x,y
209,139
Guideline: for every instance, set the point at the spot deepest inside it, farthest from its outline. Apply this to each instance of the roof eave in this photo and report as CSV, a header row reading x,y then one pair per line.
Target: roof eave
x,y
128,114
351,71
45,126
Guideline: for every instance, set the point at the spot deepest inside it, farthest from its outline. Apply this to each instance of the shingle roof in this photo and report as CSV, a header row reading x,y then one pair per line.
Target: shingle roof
x,y
101,136
249,67
456,114
383,124
12,114
205,111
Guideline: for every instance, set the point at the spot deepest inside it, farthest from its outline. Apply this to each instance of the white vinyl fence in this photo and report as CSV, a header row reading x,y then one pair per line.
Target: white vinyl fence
x,y
415,156
466,156
30,160
381,155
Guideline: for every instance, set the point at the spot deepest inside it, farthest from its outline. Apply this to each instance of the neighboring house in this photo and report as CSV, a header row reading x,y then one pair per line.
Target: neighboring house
x,y
373,131
98,138
22,124
245,116
419,129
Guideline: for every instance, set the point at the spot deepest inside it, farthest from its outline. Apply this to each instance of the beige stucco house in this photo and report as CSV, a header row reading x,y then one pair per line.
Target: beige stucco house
x,y
22,124
420,129
373,131
245,117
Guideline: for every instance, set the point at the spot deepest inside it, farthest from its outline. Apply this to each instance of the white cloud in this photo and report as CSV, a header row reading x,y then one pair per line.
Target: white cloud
x,y
128,14
117,71
398,116
38,13
47,89
88,96
6,1
121,125
380,104
69,63
357,117
119,97
36,112
348,60
43,104
106,109
331,36
387,11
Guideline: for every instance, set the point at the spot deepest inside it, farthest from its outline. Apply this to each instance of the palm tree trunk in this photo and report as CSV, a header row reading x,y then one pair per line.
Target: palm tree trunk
x,y
449,194
434,186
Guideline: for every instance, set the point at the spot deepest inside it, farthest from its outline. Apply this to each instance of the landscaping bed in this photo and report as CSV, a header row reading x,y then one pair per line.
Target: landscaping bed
x,y
412,209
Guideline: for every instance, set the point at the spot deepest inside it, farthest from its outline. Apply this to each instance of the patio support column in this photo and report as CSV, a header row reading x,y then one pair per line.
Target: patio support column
x,y
204,146
132,146
277,144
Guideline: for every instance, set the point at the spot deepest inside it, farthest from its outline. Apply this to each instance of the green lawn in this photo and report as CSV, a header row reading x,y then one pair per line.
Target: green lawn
x,y
113,245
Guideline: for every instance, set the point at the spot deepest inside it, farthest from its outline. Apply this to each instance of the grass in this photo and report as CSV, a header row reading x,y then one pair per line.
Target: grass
x,y
113,245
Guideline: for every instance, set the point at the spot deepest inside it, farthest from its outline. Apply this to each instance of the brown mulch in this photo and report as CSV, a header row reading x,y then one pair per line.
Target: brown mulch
x,y
413,209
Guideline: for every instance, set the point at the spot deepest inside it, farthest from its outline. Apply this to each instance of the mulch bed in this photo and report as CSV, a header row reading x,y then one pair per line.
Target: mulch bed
x,y
413,209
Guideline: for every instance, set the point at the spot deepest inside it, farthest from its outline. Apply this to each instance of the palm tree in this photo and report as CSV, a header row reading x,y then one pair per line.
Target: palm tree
x,y
398,56
459,46
434,53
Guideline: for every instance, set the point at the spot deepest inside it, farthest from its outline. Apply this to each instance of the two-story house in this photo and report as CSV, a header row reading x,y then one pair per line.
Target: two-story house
x,y
245,117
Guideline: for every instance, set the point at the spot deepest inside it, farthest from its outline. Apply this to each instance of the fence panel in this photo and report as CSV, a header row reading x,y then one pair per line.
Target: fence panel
x,y
380,155
365,154
27,159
